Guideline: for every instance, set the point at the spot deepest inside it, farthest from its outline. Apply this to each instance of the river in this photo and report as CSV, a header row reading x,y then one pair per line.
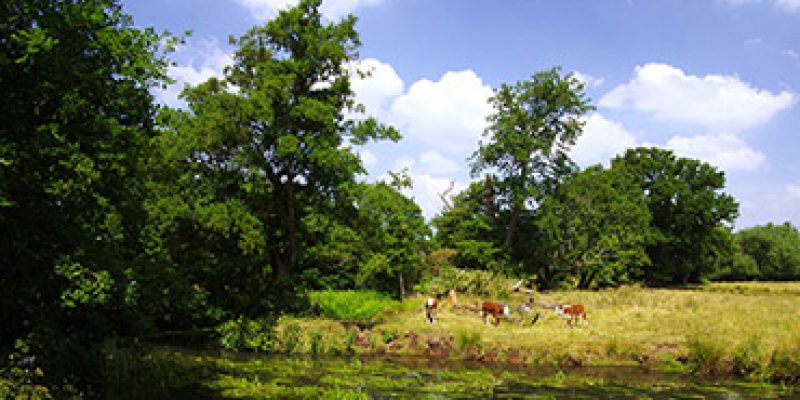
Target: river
x,y
227,375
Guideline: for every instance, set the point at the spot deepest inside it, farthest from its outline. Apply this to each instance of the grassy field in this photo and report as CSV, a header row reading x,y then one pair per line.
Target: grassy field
x,y
742,329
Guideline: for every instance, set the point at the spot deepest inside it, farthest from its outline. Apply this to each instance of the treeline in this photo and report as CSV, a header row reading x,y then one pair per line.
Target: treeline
x,y
120,217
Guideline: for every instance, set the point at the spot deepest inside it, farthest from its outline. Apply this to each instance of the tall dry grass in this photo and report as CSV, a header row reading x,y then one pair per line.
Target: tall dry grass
x,y
750,329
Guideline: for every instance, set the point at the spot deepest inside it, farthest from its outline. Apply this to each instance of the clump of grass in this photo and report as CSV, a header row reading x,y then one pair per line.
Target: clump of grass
x,y
350,341
706,356
785,365
315,343
469,341
351,305
750,359
291,338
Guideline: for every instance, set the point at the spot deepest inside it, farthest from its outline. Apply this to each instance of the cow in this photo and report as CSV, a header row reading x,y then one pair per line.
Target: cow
x,y
431,306
495,310
526,308
571,312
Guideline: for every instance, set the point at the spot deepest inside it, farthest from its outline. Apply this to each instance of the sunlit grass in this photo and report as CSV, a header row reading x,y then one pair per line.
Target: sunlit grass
x,y
741,328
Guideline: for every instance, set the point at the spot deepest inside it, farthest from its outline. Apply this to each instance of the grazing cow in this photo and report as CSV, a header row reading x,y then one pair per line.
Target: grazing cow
x,y
526,308
431,305
495,310
572,312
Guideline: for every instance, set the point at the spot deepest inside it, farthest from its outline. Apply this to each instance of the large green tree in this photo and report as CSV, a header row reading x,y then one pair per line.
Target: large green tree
x,y
526,145
595,226
691,216
396,234
76,116
264,155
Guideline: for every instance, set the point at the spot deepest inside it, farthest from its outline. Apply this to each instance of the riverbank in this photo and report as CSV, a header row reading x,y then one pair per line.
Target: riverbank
x,y
746,330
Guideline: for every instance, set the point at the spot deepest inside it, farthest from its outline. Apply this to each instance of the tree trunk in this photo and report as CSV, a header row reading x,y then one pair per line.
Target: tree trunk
x,y
512,228
292,225
402,286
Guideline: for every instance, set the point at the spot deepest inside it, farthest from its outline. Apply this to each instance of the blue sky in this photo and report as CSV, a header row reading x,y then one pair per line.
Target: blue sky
x,y
717,80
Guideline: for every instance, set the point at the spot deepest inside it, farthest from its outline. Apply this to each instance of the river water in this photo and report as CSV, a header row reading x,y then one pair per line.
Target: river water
x,y
236,375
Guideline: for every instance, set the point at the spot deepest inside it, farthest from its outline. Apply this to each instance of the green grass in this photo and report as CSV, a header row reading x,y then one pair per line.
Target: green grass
x,y
351,305
743,329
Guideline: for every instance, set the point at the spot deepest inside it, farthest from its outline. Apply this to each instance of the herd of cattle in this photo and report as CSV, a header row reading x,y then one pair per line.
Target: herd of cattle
x,y
493,310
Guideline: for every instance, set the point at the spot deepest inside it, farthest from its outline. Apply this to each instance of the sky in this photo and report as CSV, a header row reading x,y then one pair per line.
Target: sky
x,y
716,80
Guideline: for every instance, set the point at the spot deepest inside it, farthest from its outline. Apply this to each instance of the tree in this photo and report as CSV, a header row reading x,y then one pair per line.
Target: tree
x,y
470,228
394,230
265,155
690,214
77,118
774,250
595,227
534,124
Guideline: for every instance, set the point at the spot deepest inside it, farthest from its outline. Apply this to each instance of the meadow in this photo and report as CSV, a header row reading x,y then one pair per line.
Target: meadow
x,y
721,329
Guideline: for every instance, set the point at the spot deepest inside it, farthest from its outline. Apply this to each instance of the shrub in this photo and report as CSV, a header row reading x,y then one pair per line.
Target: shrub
x,y
469,341
705,356
291,338
471,282
246,334
350,305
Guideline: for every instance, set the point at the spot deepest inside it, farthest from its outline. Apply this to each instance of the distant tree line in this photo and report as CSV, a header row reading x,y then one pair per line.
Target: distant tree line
x,y
121,217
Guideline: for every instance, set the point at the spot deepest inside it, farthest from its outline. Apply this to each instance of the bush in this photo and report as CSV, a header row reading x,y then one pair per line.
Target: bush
x,y
349,305
471,282
247,334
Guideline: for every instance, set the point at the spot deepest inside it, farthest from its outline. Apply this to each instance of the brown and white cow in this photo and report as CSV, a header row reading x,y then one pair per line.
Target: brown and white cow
x,y
495,310
431,306
571,312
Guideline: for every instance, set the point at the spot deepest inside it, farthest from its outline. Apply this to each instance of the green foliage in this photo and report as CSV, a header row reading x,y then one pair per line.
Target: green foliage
x,y
769,252
470,229
23,383
690,214
291,338
471,282
78,119
351,305
468,341
595,225
534,124
247,334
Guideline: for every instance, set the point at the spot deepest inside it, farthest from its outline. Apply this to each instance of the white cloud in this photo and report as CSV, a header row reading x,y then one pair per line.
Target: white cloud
x,y
377,91
602,139
794,190
198,61
727,152
717,102
791,54
449,115
427,188
368,158
789,6
403,163
332,9
755,41
435,162
590,81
